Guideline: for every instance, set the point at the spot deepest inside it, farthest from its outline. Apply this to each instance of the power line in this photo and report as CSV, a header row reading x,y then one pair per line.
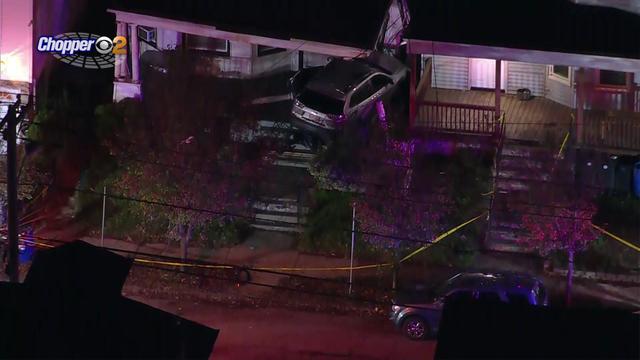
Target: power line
x,y
212,265
221,213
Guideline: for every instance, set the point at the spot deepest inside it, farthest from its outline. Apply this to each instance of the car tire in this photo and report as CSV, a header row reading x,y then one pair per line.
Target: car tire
x,y
415,328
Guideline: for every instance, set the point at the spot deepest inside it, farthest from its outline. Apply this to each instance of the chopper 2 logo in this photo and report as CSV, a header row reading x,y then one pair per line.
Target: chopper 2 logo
x,y
86,50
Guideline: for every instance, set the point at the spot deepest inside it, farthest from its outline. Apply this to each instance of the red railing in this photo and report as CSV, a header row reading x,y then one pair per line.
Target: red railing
x,y
458,118
618,130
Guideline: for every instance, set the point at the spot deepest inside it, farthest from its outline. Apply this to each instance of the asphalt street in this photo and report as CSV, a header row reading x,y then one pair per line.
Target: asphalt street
x,y
268,333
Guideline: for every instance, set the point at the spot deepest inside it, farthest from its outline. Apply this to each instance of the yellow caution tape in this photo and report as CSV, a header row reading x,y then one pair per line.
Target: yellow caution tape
x,y
442,236
615,237
341,268
182,264
564,142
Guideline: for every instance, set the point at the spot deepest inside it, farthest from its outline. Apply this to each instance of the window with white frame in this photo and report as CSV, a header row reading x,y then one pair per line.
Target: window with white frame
x,y
148,35
268,50
204,43
560,72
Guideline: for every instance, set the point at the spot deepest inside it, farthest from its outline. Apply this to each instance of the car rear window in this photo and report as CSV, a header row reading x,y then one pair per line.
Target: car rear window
x,y
320,102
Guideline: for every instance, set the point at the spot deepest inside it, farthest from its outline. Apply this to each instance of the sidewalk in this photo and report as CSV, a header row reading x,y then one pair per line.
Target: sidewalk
x,y
585,292
274,250
262,250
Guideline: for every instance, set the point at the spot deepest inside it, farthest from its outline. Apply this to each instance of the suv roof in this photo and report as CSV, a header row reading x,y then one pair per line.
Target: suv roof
x,y
339,77
482,280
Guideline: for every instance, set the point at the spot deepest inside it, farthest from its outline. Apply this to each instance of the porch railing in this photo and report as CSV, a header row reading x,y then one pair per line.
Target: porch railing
x,y
458,118
617,130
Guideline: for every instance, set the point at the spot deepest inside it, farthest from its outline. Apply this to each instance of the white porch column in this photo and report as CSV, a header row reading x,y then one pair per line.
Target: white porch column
x,y
498,88
135,53
122,66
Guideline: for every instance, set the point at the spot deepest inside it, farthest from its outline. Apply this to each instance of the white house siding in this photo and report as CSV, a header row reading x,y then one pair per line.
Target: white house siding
x,y
450,72
560,91
281,61
525,75
240,49
313,59
168,39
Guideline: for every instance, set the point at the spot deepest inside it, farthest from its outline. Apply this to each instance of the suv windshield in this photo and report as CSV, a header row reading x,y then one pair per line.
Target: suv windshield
x,y
321,102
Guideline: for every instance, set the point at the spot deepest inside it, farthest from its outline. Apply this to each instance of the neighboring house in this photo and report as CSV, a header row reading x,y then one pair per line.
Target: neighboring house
x,y
245,38
589,63
256,39
580,63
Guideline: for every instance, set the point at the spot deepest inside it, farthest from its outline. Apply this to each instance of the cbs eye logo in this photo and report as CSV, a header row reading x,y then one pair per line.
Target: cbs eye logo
x,y
117,46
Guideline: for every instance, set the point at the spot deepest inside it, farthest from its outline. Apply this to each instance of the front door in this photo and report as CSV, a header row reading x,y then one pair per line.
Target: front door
x,y
482,74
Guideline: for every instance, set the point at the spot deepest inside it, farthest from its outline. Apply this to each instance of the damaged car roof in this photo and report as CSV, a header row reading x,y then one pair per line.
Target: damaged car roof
x,y
339,77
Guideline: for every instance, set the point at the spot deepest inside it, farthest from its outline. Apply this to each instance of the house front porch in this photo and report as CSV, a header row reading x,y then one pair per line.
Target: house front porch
x,y
538,120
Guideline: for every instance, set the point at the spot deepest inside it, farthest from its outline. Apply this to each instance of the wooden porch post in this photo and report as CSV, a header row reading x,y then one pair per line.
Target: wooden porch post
x,y
121,69
580,94
498,87
412,89
631,92
300,60
135,53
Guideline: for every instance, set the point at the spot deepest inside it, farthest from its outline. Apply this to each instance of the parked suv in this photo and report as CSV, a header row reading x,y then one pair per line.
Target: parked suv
x,y
326,95
420,319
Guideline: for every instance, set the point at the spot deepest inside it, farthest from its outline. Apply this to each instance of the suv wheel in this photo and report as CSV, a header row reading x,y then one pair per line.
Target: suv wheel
x,y
415,328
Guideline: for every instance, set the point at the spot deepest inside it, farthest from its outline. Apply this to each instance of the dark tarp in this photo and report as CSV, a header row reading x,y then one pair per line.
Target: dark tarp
x,y
70,307
501,331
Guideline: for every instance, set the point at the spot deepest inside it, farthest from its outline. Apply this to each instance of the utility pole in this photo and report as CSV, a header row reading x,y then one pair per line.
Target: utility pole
x,y
353,244
14,115
104,206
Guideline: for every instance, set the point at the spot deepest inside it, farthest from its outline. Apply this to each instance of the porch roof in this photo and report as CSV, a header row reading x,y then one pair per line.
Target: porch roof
x,y
546,26
353,23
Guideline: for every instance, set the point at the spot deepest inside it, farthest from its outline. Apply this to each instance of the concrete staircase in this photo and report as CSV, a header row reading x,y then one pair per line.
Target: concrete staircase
x,y
279,214
522,167
280,202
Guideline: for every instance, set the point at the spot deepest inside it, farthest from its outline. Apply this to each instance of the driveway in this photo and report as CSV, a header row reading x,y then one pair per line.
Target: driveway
x,y
283,334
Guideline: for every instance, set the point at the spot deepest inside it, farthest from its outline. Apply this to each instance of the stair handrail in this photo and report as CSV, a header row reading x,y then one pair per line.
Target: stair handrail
x,y
500,131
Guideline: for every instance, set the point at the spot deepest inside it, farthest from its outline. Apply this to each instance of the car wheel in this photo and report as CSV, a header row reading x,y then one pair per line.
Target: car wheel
x,y
415,328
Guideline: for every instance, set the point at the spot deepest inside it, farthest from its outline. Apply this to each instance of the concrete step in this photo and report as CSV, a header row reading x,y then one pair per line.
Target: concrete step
x,y
512,185
523,176
526,152
266,207
508,247
277,228
502,240
277,218
516,162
